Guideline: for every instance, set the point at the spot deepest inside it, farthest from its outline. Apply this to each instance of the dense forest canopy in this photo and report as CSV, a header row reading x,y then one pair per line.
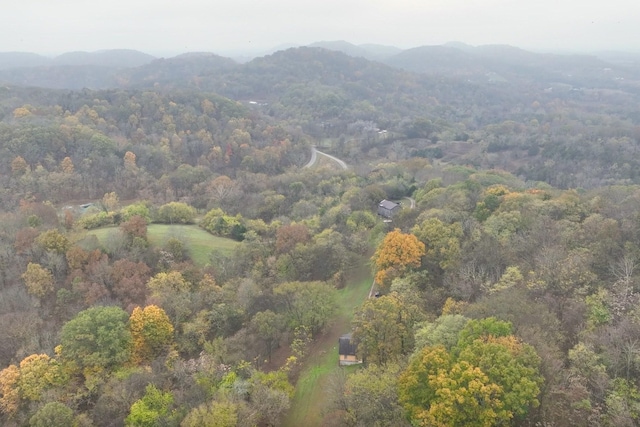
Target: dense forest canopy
x,y
168,256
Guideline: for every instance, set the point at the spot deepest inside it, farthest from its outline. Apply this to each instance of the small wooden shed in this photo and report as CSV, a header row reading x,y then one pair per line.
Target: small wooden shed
x,y
347,351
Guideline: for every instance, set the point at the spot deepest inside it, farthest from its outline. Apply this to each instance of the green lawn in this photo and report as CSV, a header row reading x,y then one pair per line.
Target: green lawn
x,y
199,243
312,394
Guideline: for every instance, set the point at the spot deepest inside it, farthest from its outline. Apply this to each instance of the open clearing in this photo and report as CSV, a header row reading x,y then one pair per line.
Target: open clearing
x,y
198,242
313,393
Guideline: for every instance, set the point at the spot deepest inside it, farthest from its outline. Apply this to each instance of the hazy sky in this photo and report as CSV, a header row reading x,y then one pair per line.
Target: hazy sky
x,y
164,27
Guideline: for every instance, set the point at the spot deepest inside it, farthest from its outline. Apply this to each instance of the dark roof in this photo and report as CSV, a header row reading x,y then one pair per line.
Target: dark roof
x,y
345,346
388,204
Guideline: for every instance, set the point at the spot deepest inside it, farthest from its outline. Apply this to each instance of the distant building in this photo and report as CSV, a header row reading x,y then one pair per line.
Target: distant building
x,y
387,208
347,351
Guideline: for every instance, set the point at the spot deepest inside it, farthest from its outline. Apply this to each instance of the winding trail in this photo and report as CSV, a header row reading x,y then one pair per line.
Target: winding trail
x,y
314,158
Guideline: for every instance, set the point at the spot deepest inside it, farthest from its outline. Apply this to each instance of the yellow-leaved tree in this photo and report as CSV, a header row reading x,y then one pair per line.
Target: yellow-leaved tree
x,y
28,381
37,373
151,333
397,253
38,280
487,378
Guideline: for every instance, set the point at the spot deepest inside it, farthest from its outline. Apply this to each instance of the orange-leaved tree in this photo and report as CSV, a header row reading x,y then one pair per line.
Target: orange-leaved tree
x,y
397,253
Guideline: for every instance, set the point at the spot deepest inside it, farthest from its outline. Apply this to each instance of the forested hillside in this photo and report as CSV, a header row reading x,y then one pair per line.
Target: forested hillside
x,y
168,256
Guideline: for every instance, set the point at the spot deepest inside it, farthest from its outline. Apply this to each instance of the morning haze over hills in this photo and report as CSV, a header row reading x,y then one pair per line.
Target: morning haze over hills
x,y
204,239
103,69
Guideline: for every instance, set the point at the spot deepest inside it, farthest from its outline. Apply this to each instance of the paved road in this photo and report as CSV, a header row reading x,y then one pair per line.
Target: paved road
x,y
314,157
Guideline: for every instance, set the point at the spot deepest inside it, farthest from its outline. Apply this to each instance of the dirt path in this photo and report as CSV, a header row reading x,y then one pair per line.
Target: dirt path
x,y
412,202
313,393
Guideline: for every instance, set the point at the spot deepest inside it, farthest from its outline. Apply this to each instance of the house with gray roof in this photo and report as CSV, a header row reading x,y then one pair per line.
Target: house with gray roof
x,y
388,209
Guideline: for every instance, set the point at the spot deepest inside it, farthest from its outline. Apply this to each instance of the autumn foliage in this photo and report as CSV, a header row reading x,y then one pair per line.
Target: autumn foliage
x,y
151,331
397,253
38,280
489,378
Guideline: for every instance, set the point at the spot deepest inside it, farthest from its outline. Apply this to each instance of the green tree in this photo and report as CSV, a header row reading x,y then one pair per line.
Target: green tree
x,y
382,329
52,414
481,329
371,397
98,337
218,223
623,403
441,242
444,331
136,209
307,304
176,213
268,327
214,414
152,410
271,395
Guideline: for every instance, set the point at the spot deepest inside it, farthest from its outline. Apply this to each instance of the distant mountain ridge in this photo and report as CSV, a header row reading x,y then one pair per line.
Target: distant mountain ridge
x,y
501,63
489,64
113,58
372,52
184,68
10,60
116,58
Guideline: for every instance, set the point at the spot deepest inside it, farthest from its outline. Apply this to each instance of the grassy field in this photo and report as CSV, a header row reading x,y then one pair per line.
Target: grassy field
x,y
199,243
312,395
